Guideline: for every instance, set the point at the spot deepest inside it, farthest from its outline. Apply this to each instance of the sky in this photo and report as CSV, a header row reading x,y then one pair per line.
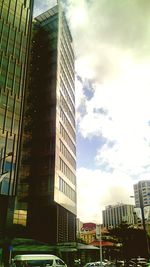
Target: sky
x,y
112,51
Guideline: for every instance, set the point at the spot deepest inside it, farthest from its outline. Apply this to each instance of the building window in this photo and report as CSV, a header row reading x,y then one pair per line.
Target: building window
x,y
67,190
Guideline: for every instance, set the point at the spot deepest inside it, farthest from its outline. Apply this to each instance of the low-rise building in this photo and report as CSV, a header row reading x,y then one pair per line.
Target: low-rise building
x,y
88,232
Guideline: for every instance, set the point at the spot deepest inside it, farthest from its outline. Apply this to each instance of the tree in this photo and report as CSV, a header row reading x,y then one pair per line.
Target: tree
x,y
134,242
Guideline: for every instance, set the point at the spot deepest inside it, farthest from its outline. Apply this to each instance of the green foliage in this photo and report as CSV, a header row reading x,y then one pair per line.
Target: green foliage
x,y
134,240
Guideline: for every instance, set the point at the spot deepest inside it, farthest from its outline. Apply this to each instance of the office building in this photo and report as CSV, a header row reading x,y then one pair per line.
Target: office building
x,y
142,193
114,215
15,29
46,197
142,203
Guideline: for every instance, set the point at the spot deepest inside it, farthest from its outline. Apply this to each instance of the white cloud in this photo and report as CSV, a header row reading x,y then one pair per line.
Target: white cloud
x,y
112,48
126,122
97,189
80,97
111,40
108,32
42,6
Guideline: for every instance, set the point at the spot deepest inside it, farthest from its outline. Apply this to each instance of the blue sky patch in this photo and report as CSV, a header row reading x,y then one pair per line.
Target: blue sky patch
x,y
87,149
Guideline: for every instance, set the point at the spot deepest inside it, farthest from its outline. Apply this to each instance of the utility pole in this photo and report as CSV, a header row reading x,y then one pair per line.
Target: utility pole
x,y
142,209
100,246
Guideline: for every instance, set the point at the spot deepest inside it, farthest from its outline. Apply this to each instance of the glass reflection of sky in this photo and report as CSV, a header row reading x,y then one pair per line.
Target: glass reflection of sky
x,y
5,183
8,165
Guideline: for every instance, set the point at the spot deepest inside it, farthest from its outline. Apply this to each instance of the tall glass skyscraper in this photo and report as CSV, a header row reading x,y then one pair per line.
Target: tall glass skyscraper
x,y
15,28
47,177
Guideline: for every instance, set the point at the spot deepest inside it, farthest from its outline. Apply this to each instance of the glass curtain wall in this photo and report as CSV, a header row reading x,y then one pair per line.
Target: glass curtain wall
x,y
47,185
15,27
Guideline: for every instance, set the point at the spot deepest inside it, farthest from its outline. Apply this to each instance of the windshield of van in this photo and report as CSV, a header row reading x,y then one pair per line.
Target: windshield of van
x,y
34,263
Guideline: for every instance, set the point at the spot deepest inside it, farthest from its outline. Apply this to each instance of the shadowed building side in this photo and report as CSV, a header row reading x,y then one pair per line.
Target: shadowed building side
x,y
47,186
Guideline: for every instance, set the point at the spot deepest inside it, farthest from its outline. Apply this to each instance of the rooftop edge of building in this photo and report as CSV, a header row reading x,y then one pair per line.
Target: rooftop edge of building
x,y
51,12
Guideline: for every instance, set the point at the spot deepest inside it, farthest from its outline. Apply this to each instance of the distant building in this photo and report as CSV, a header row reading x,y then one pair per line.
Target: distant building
x,y
88,236
142,189
88,232
142,202
88,226
114,215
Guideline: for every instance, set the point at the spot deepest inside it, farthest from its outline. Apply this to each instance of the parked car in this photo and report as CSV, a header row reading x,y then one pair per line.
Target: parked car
x,y
95,263
37,260
106,262
89,264
132,264
138,262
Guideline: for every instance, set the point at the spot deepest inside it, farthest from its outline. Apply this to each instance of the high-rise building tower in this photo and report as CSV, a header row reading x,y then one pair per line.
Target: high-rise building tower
x,y
47,184
142,193
15,28
114,215
142,201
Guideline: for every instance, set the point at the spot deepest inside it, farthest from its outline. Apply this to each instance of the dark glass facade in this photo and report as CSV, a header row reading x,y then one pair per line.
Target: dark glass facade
x,y
47,177
15,29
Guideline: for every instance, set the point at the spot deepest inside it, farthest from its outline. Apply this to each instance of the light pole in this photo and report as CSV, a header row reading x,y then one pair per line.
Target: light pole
x,y
100,246
142,209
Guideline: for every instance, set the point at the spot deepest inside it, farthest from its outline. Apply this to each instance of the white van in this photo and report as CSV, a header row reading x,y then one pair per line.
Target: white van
x,y
37,260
